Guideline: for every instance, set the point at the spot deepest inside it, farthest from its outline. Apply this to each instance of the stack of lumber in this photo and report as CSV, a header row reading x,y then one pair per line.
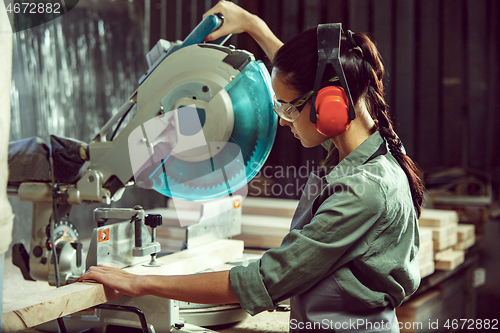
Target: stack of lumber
x,y
435,309
466,236
426,253
264,222
444,227
416,314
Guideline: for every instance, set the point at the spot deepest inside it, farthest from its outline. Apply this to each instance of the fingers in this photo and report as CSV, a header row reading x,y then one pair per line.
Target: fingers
x,y
217,34
215,9
219,8
95,273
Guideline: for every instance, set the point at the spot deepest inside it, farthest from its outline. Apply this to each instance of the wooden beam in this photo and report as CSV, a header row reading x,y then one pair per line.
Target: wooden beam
x,y
52,304
428,84
404,74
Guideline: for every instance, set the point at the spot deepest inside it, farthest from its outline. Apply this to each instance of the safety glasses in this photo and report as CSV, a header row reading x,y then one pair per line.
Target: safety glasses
x,y
291,110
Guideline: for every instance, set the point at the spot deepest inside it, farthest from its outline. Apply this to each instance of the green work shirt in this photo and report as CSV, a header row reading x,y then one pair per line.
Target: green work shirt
x,y
365,233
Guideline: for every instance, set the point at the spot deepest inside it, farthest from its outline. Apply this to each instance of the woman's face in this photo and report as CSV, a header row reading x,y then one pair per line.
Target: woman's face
x,y
302,128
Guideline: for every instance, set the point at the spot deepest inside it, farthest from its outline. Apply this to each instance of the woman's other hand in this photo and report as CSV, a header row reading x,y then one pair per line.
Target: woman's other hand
x,y
236,19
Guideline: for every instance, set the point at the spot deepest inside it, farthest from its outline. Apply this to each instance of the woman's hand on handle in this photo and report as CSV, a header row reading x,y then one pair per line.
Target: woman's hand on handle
x,y
238,20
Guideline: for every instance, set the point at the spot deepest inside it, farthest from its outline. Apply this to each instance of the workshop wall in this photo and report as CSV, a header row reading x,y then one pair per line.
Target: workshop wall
x,y
442,72
71,74
69,77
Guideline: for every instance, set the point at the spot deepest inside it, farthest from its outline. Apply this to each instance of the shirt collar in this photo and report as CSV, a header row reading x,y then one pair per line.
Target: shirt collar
x,y
361,154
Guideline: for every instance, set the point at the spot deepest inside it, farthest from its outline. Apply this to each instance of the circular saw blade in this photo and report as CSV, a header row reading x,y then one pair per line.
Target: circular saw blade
x,y
245,152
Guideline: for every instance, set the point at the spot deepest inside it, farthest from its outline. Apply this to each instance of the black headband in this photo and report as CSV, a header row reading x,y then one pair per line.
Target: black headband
x,y
350,39
329,36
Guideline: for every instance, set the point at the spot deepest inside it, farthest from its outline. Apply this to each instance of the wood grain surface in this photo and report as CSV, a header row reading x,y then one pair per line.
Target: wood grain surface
x,y
54,303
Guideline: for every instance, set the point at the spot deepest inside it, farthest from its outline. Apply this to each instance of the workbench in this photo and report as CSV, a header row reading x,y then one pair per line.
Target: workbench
x,y
15,288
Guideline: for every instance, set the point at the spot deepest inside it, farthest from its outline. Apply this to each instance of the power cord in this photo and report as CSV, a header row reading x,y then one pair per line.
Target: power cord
x,y
53,220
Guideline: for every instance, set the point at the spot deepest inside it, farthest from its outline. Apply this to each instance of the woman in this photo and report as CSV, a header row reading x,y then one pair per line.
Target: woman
x,y
350,257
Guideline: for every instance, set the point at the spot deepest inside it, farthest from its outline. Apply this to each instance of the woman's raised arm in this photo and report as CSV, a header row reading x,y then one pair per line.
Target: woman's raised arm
x,y
238,20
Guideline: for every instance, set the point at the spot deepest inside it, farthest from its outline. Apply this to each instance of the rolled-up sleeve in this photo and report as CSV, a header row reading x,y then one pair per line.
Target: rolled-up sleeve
x,y
305,256
248,286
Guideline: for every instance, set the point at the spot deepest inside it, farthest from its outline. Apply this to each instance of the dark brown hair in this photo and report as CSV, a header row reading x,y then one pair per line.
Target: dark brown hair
x,y
296,63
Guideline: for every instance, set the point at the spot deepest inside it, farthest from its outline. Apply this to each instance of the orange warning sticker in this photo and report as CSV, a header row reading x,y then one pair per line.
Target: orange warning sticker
x,y
103,235
236,203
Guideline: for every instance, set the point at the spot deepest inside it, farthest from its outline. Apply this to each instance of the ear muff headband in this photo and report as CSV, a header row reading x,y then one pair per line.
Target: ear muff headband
x,y
329,37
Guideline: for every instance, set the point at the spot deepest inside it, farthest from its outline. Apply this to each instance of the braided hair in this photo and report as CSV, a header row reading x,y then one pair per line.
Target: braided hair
x,y
296,63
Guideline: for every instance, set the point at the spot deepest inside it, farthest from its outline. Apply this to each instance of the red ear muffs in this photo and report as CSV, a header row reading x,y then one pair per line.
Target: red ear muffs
x,y
332,111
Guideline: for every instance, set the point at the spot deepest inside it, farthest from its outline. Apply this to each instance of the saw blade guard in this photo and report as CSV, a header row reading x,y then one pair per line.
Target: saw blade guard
x,y
230,164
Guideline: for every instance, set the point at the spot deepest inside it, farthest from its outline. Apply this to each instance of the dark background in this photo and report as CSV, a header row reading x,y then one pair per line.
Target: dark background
x,y
72,74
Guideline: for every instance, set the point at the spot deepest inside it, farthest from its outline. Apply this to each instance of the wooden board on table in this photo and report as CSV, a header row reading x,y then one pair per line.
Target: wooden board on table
x,y
68,299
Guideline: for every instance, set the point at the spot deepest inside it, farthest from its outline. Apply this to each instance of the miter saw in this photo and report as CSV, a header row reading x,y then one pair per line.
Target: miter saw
x,y
201,127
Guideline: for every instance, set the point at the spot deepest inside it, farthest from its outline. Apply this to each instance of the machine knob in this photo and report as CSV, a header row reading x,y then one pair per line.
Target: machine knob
x,y
153,220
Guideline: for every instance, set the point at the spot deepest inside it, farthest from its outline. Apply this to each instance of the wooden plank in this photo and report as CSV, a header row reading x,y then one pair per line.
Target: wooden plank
x,y
265,225
404,76
427,269
450,261
260,241
359,16
68,299
155,30
425,235
494,87
273,16
453,82
444,231
439,255
383,31
444,242
335,11
269,206
437,217
170,25
186,18
178,20
425,253
477,99
416,305
465,243
290,16
465,231
312,13
428,84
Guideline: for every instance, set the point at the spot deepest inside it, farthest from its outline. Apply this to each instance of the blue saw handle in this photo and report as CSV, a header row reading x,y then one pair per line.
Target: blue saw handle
x,y
202,30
